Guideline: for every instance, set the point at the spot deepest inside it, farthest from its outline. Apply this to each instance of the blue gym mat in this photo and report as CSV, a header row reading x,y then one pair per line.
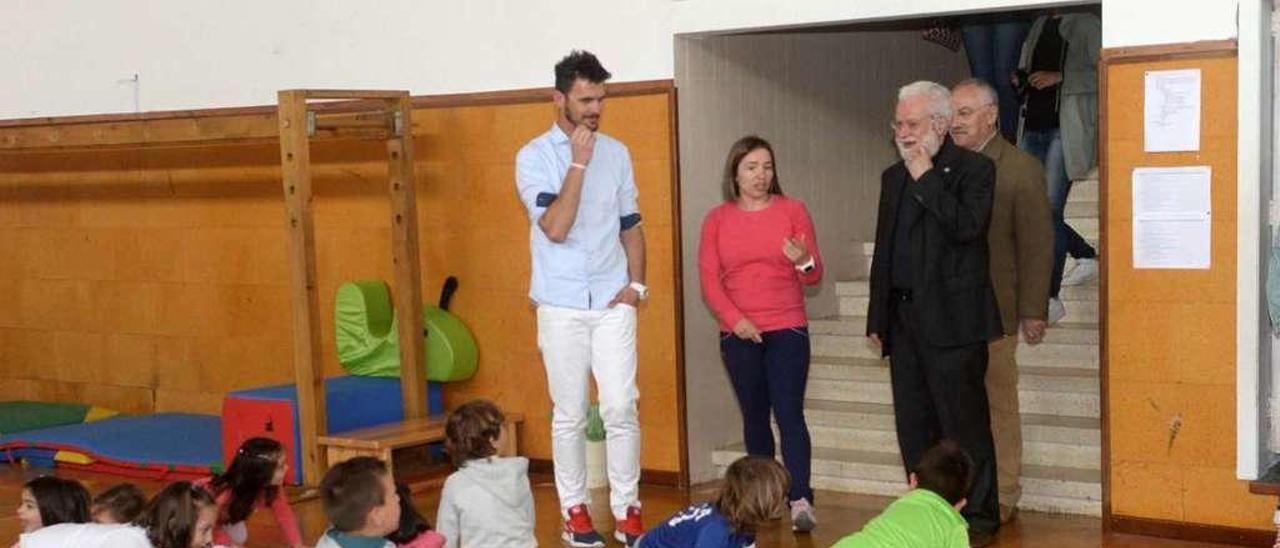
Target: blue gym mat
x,y
175,442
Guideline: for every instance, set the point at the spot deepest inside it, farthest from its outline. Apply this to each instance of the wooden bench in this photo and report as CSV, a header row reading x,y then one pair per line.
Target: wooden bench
x,y
379,441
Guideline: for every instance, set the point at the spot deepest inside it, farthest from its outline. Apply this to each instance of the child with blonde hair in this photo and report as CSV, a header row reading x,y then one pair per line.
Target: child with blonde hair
x,y
754,493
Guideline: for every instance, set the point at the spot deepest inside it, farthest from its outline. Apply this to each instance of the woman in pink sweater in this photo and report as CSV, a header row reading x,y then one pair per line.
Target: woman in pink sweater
x,y
757,251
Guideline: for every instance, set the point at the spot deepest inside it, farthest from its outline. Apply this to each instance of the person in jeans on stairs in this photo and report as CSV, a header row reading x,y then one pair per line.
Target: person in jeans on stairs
x,y
1021,241
992,43
587,248
757,252
1059,81
932,310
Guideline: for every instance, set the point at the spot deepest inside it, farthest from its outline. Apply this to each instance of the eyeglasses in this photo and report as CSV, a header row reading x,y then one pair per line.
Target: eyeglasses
x,y
911,125
966,112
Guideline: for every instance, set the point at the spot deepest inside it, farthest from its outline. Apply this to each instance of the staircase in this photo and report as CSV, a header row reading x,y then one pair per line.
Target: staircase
x,y
849,404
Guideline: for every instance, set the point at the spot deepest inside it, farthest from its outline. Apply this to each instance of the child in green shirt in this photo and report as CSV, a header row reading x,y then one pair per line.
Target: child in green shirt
x,y
928,516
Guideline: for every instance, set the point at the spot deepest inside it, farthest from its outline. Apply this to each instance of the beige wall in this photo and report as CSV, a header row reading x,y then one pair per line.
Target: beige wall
x,y
825,101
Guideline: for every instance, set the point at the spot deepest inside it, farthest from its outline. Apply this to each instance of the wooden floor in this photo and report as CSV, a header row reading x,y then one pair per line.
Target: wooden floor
x,y
838,513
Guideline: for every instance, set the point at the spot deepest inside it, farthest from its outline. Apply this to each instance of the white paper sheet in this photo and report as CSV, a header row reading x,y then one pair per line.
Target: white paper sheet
x,y
1172,217
1171,111
1171,244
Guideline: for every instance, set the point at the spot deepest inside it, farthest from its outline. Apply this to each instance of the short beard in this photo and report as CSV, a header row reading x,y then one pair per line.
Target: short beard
x,y
902,151
932,143
578,120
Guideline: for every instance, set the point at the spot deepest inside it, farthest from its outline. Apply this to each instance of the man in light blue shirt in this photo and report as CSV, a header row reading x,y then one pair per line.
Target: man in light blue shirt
x,y
587,248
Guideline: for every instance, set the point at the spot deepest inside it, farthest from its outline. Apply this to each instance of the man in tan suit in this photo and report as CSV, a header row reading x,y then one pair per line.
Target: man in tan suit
x,y
1021,242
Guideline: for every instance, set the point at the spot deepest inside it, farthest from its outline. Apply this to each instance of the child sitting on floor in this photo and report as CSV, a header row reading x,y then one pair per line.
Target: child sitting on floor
x,y
252,481
929,515
180,516
359,497
415,531
120,504
754,492
487,503
49,500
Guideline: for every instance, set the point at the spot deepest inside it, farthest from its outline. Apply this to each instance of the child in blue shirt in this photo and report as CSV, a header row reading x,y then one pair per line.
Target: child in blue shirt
x,y
754,492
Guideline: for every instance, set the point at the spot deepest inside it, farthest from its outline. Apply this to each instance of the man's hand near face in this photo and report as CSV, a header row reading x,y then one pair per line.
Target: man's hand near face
x,y
583,143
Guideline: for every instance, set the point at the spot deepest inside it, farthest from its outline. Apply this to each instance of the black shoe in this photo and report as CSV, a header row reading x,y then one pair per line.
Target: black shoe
x,y
978,539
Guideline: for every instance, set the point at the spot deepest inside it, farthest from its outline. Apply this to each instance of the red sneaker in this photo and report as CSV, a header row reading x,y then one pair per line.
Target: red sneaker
x,y
628,531
578,530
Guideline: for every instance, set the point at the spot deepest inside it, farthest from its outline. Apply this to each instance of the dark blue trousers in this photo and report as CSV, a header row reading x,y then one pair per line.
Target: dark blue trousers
x,y
770,377
1046,146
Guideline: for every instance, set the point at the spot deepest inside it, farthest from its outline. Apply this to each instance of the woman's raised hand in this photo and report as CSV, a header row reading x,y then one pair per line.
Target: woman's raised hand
x,y
796,249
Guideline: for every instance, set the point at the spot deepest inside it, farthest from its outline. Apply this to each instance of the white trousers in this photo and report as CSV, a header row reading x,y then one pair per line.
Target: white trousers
x,y
601,343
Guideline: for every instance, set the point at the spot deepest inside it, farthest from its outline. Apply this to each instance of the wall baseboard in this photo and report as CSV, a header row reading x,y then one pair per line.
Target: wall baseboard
x,y
1190,531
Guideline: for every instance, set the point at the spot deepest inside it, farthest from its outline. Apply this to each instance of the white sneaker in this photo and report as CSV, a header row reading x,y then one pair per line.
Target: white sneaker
x,y
803,519
1056,310
1085,271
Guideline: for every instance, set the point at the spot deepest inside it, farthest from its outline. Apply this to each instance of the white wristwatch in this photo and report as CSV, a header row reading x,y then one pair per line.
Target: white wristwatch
x,y
641,289
808,266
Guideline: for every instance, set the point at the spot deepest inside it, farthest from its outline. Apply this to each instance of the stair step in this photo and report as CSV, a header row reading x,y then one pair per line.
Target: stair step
x,y
1083,293
876,416
1082,214
1047,379
1077,311
1059,505
1068,294
1038,452
1072,333
1049,391
1087,227
853,306
1052,488
839,325
1048,354
1080,209
850,346
1084,190
1055,354
1063,332
853,288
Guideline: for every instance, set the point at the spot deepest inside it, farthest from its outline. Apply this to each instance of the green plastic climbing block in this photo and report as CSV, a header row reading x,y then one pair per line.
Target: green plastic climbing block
x,y
367,336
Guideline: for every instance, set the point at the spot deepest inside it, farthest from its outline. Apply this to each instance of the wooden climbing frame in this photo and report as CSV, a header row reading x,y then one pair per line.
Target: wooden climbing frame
x,y
385,115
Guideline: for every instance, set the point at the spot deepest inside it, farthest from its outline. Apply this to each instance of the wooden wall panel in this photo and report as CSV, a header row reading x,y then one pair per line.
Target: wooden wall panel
x,y
1169,372
156,279
125,399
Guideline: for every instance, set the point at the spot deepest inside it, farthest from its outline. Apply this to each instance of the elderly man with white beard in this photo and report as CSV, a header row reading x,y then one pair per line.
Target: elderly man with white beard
x,y
932,309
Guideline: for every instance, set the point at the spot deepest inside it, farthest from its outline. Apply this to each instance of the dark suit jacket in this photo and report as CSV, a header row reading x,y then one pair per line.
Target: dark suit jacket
x,y
952,279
